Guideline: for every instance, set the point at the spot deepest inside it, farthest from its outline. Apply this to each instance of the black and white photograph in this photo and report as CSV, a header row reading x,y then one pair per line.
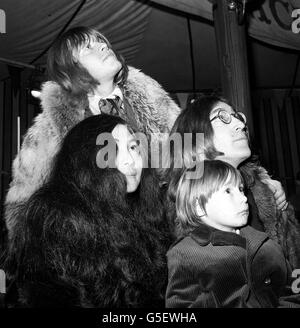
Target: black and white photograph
x,y
149,158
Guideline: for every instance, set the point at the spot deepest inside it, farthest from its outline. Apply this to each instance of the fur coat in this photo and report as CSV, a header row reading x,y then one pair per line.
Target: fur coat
x,y
281,226
154,112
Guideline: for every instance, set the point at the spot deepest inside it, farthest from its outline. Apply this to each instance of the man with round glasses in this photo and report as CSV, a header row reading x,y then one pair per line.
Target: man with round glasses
x,y
226,117
230,134
226,138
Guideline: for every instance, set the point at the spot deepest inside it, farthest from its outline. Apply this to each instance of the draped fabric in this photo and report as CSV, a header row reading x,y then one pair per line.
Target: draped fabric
x,y
32,25
270,21
151,39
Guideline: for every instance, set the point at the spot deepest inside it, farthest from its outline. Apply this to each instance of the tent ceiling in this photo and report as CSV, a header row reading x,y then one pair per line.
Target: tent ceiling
x,y
151,37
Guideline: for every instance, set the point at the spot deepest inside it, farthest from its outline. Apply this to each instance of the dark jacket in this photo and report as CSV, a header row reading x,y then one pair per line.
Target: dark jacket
x,y
281,226
213,268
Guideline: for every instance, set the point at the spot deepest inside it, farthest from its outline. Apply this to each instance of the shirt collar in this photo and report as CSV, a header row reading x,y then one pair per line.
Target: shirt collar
x,y
205,234
116,93
94,99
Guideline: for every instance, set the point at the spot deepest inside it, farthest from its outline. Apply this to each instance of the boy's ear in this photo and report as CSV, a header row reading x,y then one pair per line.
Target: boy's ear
x,y
199,210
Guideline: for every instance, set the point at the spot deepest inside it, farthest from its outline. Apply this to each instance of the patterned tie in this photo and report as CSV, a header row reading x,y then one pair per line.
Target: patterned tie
x,y
110,106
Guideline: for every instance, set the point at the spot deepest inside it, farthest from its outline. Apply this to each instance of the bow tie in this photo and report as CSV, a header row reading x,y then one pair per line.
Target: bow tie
x,y
110,106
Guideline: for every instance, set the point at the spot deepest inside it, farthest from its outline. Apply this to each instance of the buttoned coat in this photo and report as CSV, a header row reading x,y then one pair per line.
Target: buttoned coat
x,y
213,268
280,226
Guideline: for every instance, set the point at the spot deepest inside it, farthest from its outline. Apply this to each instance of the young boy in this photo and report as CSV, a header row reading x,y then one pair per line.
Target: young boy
x,y
220,261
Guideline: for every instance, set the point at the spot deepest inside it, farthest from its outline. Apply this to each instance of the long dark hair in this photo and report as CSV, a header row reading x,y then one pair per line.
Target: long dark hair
x,y
194,119
83,241
64,69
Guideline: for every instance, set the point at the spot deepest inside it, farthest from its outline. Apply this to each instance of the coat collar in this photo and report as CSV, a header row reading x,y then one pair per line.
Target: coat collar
x,y
249,238
263,198
205,234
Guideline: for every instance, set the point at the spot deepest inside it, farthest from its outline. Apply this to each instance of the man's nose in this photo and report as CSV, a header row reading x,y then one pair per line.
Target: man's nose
x,y
238,124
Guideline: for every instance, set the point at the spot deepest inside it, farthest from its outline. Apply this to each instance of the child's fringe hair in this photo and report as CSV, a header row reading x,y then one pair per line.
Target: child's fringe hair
x,y
192,190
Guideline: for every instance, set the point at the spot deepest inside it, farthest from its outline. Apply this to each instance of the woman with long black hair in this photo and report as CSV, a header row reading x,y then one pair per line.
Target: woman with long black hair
x,y
92,236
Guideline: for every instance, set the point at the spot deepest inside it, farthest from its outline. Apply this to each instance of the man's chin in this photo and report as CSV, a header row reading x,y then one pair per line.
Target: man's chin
x,y
247,153
243,158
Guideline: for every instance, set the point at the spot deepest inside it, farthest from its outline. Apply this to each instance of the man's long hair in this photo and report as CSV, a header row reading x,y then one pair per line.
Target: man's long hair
x,y
194,119
63,68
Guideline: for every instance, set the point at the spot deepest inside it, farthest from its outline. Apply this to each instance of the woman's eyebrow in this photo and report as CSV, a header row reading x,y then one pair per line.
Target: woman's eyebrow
x,y
132,138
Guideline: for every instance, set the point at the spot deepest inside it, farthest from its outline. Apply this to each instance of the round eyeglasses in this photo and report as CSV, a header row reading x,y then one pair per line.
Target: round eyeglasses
x,y
226,117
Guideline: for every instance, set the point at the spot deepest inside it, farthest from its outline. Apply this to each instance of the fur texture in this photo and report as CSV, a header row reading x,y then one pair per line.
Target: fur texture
x,y
281,226
82,241
154,112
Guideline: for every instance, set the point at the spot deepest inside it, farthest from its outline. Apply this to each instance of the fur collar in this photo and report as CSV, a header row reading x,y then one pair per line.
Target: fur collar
x,y
263,196
153,109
